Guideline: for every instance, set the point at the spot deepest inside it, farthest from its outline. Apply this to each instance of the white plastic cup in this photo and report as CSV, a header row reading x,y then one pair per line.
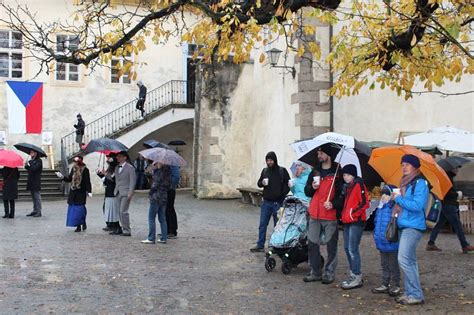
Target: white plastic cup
x,y
291,182
265,181
317,180
396,191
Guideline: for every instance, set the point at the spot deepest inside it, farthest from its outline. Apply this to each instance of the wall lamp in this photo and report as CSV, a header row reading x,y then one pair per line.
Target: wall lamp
x,y
274,55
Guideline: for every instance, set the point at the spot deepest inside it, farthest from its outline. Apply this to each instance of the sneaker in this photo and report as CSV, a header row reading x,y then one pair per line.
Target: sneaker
x,y
327,279
394,291
256,249
172,236
311,277
380,289
432,248
468,249
405,300
161,242
354,282
147,241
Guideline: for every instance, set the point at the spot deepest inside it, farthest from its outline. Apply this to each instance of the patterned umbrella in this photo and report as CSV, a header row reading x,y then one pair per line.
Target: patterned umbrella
x,y
163,156
10,159
27,147
104,145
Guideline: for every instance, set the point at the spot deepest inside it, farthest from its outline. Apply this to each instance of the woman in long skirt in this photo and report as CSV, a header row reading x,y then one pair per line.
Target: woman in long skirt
x,y
111,213
80,187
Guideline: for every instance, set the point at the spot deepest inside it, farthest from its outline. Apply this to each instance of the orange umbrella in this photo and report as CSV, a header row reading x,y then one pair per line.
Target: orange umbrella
x,y
387,162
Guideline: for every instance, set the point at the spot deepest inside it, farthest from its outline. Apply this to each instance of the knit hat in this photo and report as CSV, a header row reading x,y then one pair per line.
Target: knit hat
x,y
350,169
411,159
388,189
326,148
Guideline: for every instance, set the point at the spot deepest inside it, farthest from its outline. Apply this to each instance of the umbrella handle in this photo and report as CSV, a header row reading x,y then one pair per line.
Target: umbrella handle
x,y
332,184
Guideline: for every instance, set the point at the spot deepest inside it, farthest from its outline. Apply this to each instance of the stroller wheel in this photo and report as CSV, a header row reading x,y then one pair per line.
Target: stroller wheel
x,y
270,263
286,268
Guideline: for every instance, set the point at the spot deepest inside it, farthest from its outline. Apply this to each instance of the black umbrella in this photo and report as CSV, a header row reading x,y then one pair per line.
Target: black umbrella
x,y
104,145
27,147
177,142
154,144
452,162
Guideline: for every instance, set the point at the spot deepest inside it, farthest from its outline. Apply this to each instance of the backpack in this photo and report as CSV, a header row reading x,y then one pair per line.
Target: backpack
x,y
432,207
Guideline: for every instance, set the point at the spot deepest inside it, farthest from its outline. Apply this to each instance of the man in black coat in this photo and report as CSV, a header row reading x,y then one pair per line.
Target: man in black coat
x,y
34,167
141,97
80,125
274,180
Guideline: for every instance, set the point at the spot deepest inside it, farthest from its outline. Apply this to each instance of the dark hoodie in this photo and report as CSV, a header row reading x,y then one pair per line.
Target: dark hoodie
x,y
451,197
278,178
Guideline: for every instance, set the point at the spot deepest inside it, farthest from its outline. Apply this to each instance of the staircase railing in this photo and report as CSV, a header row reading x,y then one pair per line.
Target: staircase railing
x,y
171,93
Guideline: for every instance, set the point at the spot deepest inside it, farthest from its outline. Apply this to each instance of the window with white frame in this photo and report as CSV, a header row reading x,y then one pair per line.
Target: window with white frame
x,y
11,54
116,70
67,71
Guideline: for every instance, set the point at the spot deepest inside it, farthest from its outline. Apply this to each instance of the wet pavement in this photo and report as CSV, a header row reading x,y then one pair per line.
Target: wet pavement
x,y
48,268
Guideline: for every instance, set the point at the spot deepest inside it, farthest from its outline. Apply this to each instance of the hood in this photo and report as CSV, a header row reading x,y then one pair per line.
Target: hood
x,y
272,156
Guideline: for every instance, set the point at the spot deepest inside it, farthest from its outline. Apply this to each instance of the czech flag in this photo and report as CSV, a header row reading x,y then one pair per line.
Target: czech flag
x,y
25,107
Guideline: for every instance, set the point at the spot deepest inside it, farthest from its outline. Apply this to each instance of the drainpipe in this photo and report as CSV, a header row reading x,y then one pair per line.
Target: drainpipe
x,y
331,82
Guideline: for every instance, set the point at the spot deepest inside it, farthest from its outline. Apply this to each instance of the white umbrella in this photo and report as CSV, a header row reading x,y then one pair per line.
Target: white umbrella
x,y
446,138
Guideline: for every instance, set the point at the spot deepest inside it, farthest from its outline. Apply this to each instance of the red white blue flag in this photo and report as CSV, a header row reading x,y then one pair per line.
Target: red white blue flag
x,y
25,107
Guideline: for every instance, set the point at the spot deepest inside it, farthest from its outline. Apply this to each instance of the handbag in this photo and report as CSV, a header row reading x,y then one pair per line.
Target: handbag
x,y
391,234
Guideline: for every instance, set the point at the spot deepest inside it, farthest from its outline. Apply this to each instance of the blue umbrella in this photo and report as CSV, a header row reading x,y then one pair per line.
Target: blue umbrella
x,y
154,144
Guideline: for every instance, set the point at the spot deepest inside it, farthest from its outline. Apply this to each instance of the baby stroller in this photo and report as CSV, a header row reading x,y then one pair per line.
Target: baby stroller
x,y
288,240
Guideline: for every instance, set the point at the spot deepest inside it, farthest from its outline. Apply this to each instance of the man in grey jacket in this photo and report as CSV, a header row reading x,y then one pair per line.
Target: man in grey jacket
x,y
124,188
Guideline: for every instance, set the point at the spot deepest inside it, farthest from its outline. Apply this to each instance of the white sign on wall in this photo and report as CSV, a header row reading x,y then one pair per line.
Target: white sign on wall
x,y
47,138
3,137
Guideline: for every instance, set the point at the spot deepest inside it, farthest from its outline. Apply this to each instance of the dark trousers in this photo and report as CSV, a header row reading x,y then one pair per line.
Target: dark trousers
x,y
449,213
171,218
390,269
140,179
314,255
140,106
268,210
9,206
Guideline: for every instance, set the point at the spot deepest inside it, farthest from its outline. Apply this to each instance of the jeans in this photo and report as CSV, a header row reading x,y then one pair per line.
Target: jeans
x,y
156,208
449,213
36,195
267,210
390,269
352,236
140,180
409,239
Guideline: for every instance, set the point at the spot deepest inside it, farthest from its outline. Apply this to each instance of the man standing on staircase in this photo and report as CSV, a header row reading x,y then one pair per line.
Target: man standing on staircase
x,y
141,97
80,130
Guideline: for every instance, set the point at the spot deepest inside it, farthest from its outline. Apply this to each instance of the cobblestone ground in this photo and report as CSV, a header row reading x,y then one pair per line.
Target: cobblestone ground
x,y
47,268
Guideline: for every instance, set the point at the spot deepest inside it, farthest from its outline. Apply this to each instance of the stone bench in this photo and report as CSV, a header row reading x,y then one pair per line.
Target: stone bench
x,y
251,195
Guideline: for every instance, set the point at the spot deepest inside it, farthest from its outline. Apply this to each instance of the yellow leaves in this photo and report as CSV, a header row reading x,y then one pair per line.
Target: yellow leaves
x,y
300,52
315,49
262,58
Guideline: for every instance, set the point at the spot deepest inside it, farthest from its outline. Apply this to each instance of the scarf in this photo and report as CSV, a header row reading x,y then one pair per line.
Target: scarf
x,y
77,176
406,179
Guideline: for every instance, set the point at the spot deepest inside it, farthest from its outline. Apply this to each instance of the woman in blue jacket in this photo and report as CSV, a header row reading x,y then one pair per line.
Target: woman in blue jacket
x,y
298,183
410,206
388,250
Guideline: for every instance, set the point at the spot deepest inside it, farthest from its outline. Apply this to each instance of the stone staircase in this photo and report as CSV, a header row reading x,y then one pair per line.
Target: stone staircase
x,y
51,186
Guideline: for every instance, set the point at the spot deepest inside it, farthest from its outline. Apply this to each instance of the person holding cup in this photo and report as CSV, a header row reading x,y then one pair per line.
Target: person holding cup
x,y
324,184
274,180
298,183
410,208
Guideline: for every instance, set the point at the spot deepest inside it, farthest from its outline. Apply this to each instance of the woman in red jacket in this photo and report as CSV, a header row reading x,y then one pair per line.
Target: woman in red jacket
x,y
356,203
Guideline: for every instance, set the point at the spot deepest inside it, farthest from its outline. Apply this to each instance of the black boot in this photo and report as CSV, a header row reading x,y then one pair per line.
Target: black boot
x,y
12,210
84,226
78,228
109,227
6,206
